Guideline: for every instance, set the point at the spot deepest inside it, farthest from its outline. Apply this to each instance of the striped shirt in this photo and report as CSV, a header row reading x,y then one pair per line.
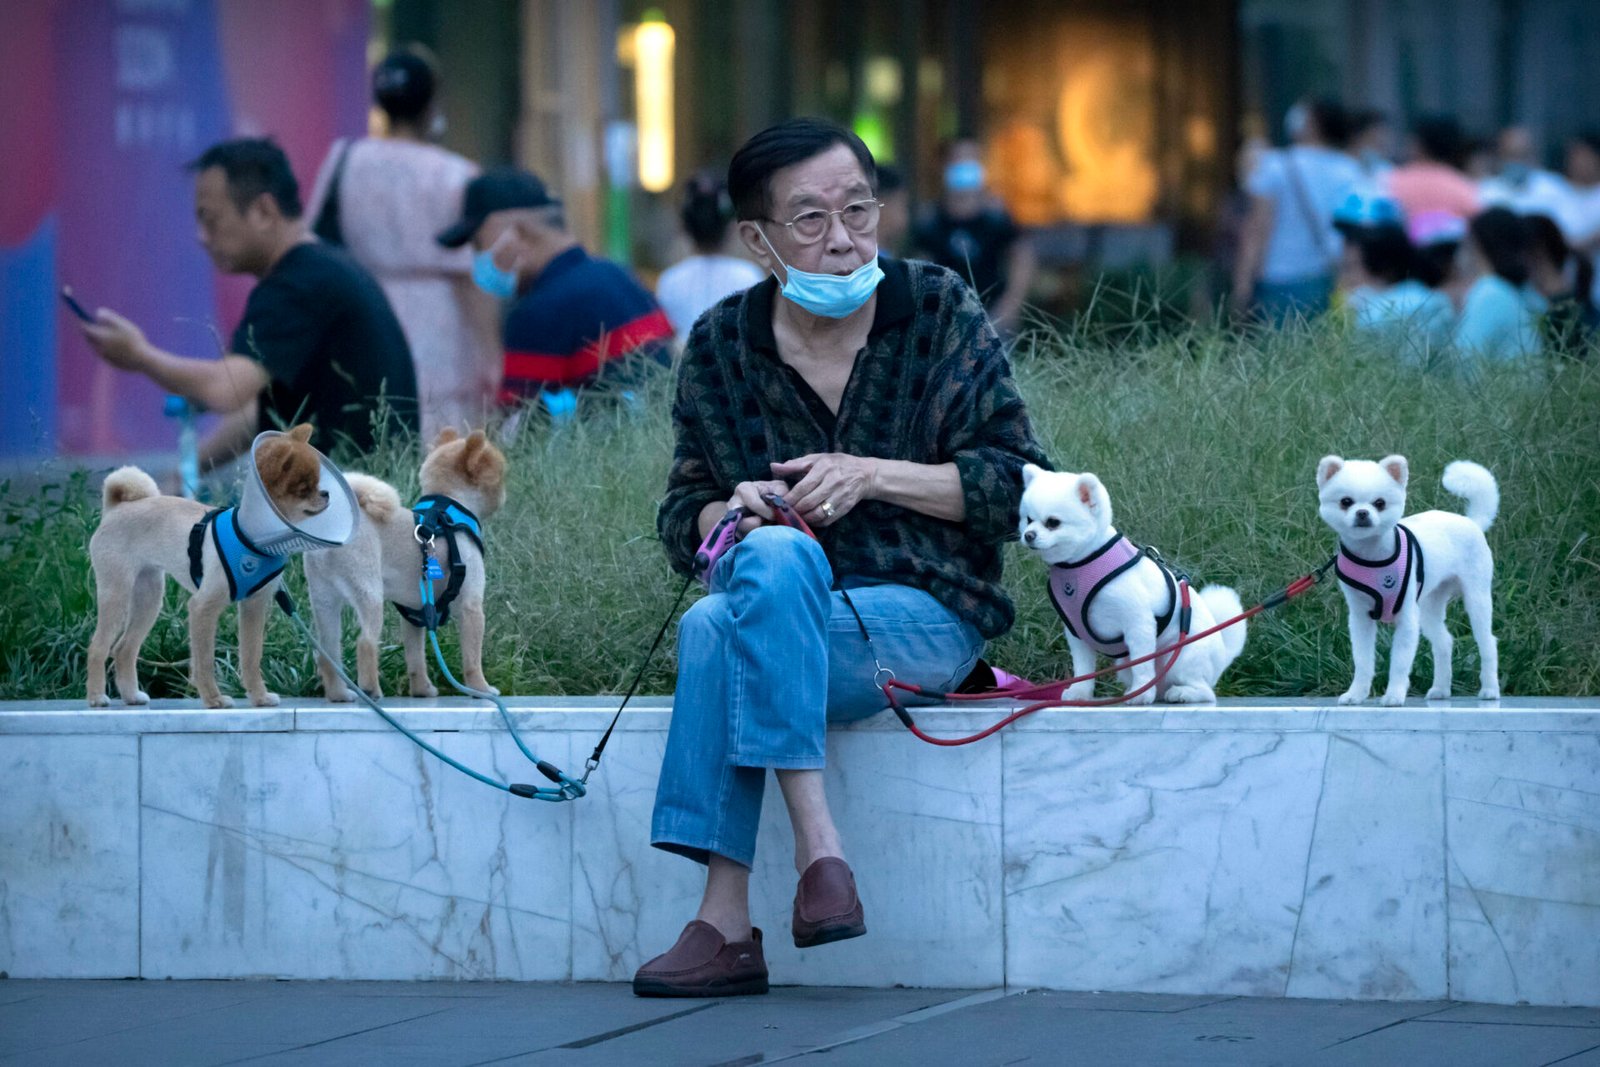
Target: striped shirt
x,y
579,314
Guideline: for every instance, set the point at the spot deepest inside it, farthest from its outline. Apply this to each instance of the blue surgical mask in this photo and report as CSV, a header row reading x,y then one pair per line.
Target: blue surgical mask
x,y
830,295
492,279
964,176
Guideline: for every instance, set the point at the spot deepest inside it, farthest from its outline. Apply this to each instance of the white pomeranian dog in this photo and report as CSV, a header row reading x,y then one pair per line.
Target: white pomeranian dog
x,y
1118,600
1406,573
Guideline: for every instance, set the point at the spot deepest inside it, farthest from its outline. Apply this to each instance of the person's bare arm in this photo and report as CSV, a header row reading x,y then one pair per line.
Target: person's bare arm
x,y
218,385
1252,250
1021,265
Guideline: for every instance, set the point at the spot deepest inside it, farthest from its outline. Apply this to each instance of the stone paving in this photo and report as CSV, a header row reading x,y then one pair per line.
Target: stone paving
x,y
189,1024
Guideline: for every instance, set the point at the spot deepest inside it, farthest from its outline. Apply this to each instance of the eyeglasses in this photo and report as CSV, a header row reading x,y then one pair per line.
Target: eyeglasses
x,y
809,227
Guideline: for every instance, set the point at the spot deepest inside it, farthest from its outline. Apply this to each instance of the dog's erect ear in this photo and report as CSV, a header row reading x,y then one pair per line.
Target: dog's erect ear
x,y
1327,467
1090,492
1029,473
446,435
479,460
301,433
1397,468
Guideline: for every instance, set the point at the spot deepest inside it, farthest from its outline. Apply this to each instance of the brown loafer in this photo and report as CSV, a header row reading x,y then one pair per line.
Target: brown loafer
x,y
826,905
704,964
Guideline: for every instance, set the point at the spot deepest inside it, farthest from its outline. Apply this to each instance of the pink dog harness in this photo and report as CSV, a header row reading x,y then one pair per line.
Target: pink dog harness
x,y
1385,581
1073,587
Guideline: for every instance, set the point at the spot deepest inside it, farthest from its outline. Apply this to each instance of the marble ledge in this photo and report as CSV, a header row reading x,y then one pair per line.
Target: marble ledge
x,y
651,714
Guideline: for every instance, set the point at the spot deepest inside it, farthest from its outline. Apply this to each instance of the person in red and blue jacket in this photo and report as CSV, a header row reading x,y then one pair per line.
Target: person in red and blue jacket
x,y
575,320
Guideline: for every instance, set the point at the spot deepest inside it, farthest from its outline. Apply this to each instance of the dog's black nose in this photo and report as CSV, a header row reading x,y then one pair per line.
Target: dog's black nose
x,y
1030,536
1363,517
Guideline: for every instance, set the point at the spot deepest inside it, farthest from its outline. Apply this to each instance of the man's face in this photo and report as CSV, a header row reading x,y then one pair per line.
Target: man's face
x,y
1583,164
827,182
502,233
238,242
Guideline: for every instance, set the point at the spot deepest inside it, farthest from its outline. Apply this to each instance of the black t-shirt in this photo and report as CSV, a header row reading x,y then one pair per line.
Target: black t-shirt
x,y
974,248
323,330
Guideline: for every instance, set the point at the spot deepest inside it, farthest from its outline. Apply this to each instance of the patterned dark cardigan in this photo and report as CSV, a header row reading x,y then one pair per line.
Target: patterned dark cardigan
x,y
931,386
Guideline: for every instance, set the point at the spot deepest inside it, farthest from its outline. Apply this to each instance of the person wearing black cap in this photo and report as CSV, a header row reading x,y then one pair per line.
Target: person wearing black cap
x,y
574,319
383,199
318,342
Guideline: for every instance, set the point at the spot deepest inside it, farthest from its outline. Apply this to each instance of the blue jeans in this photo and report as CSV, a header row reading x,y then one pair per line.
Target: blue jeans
x,y
1280,302
765,662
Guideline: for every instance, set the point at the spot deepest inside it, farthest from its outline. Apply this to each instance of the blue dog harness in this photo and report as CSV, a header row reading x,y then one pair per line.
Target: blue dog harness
x,y
438,516
246,566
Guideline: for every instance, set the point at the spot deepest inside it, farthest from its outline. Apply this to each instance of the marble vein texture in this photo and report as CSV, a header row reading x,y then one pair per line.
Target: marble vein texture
x,y
1259,848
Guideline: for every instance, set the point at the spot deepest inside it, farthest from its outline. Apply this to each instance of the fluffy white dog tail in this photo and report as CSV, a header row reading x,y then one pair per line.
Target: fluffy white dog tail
x,y
126,484
1224,604
1467,479
378,499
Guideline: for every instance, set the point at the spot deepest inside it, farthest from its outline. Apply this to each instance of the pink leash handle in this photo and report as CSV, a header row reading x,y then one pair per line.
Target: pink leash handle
x,y
719,540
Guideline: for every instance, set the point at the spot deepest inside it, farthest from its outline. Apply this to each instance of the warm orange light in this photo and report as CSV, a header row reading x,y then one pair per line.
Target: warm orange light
x,y
653,47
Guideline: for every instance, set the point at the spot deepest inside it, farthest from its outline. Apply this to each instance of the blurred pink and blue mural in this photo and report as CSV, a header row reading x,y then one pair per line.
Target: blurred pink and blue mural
x,y
105,102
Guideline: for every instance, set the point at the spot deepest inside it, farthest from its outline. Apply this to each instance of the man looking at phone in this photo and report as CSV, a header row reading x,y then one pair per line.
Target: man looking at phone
x,y
318,341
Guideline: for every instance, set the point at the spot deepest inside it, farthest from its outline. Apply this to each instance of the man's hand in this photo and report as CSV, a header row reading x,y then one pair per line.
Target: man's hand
x,y
757,512
831,483
118,341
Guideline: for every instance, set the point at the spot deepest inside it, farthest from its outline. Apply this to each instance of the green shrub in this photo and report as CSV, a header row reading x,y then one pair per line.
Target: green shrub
x,y
1206,440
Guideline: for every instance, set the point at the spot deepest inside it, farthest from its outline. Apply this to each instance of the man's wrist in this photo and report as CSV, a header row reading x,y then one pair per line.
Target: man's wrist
x,y
874,486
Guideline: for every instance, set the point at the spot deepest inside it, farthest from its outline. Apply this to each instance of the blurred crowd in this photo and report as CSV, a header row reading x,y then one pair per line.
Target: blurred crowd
x,y
455,292
1444,246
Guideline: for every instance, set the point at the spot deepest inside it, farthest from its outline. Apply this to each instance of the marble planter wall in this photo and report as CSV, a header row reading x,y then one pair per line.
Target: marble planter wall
x,y
1264,849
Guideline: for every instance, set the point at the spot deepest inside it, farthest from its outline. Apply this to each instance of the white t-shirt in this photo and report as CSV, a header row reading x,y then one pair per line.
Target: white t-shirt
x,y
1539,192
687,288
1305,184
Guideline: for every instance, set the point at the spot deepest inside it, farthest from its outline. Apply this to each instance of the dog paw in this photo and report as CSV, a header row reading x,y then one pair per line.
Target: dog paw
x,y
340,695
217,701
1489,692
264,699
1081,691
1146,697
1190,694
101,701
1392,699
1350,696
1438,694
137,698
483,686
427,691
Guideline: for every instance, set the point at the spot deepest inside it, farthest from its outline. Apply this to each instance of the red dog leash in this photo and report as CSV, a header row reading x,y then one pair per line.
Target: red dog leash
x,y
1282,596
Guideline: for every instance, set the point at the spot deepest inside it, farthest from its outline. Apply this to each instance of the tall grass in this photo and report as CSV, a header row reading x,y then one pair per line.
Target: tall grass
x,y
1206,440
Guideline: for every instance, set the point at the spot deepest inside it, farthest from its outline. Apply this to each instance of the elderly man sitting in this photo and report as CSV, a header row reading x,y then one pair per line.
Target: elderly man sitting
x,y
877,400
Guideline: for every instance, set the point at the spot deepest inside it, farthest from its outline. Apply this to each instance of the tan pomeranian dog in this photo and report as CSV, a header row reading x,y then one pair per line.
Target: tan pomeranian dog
x,y
463,480
145,536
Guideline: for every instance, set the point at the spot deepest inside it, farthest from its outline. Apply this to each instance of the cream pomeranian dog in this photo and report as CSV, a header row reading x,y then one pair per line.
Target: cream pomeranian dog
x,y
1406,573
463,481
1117,600
144,536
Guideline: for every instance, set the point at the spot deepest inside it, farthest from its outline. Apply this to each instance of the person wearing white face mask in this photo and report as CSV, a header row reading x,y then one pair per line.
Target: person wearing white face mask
x,y
383,199
969,232
874,398
574,320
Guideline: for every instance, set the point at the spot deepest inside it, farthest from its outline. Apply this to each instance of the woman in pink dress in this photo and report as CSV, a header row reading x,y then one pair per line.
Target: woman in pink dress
x,y
390,195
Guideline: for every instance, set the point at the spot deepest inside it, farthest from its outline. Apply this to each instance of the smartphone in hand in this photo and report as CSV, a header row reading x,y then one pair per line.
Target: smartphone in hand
x,y
77,308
